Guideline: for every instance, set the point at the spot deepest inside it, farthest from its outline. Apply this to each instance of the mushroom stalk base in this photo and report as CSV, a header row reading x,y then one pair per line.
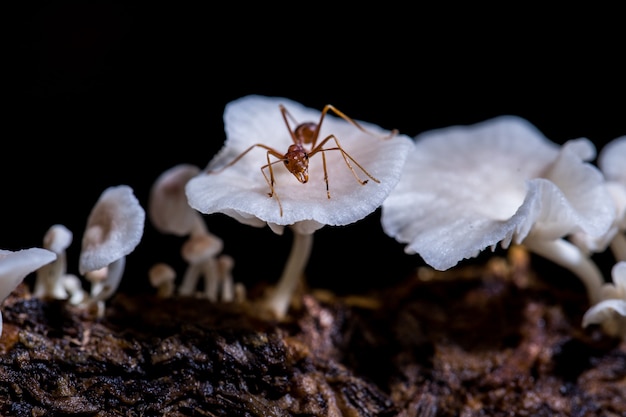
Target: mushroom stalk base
x,y
278,301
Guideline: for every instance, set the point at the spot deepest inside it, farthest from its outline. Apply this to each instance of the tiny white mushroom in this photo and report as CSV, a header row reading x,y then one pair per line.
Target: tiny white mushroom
x,y
337,199
467,188
610,312
49,281
15,266
200,252
162,277
74,287
114,229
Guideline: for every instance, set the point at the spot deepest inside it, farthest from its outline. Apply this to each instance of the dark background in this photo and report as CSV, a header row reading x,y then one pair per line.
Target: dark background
x,y
103,94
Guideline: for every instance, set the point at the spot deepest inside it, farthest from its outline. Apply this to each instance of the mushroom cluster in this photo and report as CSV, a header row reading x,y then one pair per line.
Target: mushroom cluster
x,y
170,213
468,188
334,189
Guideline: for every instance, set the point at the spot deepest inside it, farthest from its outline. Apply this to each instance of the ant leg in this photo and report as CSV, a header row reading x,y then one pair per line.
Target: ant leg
x,y
346,157
270,181
326,174
353,122
286,114
270,151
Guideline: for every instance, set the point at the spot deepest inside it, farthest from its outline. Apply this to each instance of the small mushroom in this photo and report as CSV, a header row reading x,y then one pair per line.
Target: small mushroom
x,y
15,266
468,188
168,209
162,278
114,229
241,191
200,251
610,312
49,281
74,287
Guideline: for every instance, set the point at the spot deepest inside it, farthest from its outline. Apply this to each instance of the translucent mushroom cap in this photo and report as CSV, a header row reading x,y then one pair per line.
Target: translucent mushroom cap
x,y
58,238
114,228
467,188
15,266
241,190
168,208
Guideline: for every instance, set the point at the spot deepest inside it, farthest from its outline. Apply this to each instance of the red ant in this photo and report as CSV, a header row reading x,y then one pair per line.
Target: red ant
x,y
296,159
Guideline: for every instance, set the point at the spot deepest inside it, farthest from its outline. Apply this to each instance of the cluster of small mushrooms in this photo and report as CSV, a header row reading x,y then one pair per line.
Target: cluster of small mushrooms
x,y
447,194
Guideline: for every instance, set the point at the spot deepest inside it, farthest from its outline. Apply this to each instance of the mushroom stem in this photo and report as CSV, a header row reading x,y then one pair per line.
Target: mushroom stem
x,y
49,282
278,301
190,280
211,278
569,256
618,247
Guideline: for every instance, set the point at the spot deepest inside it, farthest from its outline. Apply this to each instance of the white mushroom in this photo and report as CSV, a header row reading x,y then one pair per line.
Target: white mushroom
x,y
162,277
168,208
611,162
15,266
74,287
49,281
336,191
468,188
610,311
200,251
114,229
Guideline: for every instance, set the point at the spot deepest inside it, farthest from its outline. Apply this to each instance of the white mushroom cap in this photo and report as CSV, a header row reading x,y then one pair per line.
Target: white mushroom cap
x,y
467,188
241,191
114,228
199,248
15,266
57,238
168,208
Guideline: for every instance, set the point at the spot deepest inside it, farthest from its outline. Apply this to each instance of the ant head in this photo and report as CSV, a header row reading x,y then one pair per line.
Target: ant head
x,y
297,162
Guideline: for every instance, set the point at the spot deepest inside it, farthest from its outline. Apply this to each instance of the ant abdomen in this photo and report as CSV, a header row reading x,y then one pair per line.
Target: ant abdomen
x,y
306,132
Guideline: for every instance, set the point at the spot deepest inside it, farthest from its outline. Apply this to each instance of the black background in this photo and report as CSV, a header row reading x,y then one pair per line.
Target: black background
x,y
106,93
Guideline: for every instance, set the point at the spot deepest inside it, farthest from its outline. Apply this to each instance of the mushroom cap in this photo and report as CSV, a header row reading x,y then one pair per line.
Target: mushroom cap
x,y
57,238
241,191
161,273
612,160
467,188
168,208
15,266
201,247
114,228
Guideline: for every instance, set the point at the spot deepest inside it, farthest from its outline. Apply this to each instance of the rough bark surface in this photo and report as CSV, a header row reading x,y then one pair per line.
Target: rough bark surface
x,y
491,340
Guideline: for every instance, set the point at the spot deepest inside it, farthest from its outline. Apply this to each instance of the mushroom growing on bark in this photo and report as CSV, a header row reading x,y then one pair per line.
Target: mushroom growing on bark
x,y
162,277
467,188
348,181
15,266
170,213
50,278
610,311
114,229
